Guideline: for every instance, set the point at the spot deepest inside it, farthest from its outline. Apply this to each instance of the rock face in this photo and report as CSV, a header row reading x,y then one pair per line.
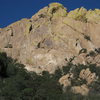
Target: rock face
x,y
52,35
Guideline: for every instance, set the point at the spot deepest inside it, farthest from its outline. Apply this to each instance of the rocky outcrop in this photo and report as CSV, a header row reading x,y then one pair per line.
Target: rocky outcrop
x,y
52,35
88,76
66,80
83,89
78,82
91,16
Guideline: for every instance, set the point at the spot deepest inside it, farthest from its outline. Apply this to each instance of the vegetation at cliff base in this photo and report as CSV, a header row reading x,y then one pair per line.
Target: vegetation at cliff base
x,y
16,83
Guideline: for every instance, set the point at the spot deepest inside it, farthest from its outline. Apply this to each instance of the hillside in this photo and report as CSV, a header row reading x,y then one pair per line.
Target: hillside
x,y
59,47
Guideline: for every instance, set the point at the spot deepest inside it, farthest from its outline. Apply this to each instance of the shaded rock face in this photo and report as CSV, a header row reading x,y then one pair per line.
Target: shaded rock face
x,y
52,35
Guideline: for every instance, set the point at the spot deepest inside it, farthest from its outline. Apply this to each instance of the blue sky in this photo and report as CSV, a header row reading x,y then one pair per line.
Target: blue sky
x,y
14,10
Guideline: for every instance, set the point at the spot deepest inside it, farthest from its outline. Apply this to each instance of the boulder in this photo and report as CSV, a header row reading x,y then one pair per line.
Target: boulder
x,y
83,90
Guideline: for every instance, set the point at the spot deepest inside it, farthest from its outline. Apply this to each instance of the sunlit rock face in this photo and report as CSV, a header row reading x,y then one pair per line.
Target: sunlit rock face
x,y
52,35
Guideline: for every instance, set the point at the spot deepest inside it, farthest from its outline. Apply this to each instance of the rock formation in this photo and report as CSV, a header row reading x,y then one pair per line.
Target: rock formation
x,y
66,80
88,76
84,80
52,35
83,89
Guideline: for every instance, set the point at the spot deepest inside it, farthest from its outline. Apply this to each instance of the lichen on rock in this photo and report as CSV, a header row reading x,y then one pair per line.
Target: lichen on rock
x,y
78,14
93,16
56,10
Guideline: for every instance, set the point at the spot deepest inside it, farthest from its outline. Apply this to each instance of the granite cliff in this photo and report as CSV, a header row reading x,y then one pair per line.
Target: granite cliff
x,y
52,37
